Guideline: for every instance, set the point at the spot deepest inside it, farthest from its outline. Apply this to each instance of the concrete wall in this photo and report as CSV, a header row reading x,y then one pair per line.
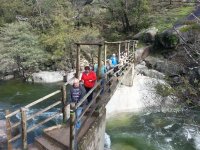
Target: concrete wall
x,y
94,138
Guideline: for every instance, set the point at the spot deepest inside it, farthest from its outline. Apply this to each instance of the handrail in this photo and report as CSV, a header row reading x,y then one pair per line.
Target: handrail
x,y
85,97
43,110
34,103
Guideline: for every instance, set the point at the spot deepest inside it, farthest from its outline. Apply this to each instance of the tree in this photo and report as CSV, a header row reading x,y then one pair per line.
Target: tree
x,y
125,16
20,48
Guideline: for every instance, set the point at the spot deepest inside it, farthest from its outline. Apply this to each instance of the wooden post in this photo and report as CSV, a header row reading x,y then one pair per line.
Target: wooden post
x,y
119,51
72,127
105,53
8,131
64,98
128,46
24,128
99,63
92,58
78,61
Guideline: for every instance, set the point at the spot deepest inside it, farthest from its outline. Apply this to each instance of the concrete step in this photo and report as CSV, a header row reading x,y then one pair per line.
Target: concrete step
x,y
54,139
44,144
33,147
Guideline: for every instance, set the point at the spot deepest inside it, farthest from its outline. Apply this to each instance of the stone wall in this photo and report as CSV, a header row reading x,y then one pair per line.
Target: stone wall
x,y
94,138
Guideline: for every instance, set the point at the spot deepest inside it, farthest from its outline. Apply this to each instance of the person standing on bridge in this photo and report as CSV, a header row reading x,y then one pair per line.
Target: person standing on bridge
x,y
77,92
89,79
103,71
114,60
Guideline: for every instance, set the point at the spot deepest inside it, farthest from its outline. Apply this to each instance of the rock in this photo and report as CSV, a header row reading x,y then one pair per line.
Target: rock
x,y
147,35
153,74
48,77
168,39
169,68
8,77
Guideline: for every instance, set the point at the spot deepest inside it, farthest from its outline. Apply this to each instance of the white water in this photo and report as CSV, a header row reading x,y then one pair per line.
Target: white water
x,y
140,96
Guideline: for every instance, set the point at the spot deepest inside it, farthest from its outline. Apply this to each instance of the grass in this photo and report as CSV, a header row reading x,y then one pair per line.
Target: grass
x,y
168,17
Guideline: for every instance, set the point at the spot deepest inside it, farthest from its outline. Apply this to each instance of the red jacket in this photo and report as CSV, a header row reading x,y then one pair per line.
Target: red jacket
x,y
90,76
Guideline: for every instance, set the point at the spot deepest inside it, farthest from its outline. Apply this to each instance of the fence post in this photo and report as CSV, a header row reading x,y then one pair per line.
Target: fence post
x,y
128,47
119,51
24,128
72,128
64,98
105,53
8,130
78,61
99,63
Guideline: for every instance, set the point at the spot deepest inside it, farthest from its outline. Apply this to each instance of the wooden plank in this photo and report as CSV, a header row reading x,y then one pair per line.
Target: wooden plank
x,y
46,120
15,125
99,64
78,50
8,131
88,106
15,138
12,114
98,44
72,128
42,99
43,110
119,52
105,53
118,42
24,128
85,97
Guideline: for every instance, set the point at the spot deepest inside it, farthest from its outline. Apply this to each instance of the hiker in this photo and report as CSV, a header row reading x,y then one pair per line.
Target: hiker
x,y
108,64
77,92
103,71
89,79
114,60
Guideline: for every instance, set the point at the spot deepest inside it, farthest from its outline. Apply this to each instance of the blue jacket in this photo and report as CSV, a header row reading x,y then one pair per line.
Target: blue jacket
x,y
114,60
103,69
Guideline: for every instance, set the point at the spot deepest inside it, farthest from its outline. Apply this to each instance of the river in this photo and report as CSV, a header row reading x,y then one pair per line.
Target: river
x,y
128,131
155,131
15,94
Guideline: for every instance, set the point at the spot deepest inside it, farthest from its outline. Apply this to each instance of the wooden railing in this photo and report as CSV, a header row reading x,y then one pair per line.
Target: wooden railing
x,y
64,105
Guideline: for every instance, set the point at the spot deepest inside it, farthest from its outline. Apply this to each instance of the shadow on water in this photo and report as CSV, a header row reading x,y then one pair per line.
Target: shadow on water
x,y
155,131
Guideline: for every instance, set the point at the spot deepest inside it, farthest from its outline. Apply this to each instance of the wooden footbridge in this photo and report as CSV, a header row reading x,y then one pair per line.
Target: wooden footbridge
x,y
65,136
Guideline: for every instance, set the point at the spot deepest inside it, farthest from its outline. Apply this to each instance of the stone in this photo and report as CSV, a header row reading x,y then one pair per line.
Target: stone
x,y
48,76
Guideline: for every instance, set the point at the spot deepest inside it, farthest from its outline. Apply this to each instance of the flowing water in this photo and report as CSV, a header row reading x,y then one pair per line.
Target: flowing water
x,y
128,131
155,131
15,94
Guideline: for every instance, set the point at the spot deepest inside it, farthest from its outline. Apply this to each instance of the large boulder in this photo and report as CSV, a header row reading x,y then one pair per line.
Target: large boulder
x,y
48,77
167,67
147,35
167,39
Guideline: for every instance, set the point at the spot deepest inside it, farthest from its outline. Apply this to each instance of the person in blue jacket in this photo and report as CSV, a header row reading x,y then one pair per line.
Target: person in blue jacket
x,y
103,71
114,60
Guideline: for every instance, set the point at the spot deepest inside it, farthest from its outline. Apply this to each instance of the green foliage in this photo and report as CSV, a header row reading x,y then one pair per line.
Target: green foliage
x,y
166,18
9,10
124,17
20,47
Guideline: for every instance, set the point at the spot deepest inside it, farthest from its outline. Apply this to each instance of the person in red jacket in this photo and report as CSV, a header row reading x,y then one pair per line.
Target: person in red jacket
x,y
89,79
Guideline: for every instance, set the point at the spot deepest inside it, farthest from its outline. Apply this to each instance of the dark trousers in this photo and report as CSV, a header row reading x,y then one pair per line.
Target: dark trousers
x,y
89,98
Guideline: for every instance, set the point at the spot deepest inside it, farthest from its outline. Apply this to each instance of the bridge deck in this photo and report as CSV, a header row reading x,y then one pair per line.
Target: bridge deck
x,y
59,137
